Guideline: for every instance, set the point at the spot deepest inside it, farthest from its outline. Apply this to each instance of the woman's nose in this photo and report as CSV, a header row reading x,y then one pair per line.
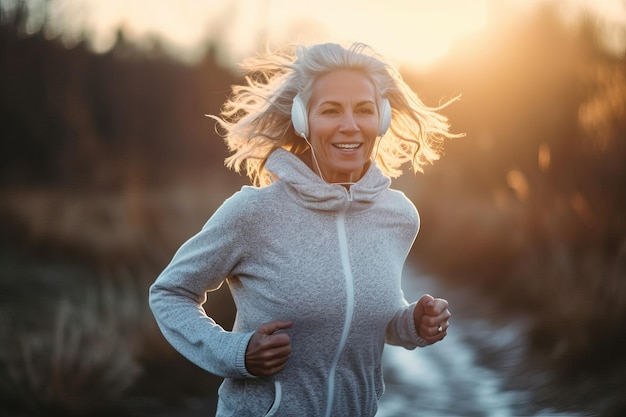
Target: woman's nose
x,y
348,123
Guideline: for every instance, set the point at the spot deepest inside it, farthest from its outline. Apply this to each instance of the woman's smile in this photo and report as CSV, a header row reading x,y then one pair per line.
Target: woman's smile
x,y
347,146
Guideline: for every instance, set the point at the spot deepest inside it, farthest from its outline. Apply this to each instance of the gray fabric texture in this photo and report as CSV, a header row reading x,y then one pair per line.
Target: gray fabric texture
x,y
303,251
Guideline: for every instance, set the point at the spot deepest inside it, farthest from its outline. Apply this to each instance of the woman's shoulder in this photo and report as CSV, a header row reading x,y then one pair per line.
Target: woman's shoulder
x,y
250,201
399,198
252,195
400,204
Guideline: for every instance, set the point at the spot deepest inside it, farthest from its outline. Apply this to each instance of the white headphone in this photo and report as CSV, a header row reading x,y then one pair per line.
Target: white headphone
x,y
300,119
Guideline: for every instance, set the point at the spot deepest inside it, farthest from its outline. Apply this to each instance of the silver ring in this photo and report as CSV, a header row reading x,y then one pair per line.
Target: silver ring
x,y
439,329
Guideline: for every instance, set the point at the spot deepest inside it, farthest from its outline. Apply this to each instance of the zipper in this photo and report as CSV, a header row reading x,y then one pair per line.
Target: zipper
x,y
278,393
349,280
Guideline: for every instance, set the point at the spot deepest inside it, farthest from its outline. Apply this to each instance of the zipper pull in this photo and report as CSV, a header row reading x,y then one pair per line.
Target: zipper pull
x,y
348,193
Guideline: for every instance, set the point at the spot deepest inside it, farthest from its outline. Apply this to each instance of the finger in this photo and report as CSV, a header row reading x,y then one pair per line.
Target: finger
x,y
443,323
276,356
445,326
274,326
266,369
432,306
270,358
270,370
433,331
435,321
440,306
426,303
420,307
442,327
435,306
430,332
269,342
275,346
444,317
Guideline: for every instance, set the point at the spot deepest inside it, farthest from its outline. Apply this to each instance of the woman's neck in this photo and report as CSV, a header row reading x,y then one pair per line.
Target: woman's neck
x,y
308,159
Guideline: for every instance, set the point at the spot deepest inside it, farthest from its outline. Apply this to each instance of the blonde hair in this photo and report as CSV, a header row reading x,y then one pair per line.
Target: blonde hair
x,y
257,117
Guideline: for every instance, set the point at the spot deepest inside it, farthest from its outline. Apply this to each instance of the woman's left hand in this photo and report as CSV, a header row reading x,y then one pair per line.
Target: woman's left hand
x,y
431,318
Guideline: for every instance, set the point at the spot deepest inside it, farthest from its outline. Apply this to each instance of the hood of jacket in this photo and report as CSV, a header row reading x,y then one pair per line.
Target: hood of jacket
x,y
310,191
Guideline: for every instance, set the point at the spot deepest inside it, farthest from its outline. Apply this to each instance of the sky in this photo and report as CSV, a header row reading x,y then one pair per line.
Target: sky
x,y
417,32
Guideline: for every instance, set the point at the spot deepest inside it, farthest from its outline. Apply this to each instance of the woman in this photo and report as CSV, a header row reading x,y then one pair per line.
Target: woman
x,y
313,253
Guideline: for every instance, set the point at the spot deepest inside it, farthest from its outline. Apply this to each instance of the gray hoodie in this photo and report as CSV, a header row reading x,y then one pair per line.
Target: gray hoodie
x,y
327,259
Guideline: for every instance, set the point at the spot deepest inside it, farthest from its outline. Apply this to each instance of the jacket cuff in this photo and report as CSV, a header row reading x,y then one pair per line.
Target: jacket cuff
x,y
417,339
240,356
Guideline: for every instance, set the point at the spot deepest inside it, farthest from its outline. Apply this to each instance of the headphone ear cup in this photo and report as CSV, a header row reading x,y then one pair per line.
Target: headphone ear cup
x,y
299,117
385,117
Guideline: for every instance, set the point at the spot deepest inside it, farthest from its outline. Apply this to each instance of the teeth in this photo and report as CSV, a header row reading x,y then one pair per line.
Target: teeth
x,y
347,145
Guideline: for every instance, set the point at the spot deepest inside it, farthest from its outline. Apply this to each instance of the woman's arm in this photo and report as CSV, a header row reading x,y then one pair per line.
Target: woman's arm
x,y
176,297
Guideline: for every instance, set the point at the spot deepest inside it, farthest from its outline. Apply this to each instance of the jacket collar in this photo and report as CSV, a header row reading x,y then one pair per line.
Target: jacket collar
x,y
310,191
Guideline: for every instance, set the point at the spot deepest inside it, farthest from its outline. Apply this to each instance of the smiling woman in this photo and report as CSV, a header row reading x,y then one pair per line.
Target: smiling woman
x,y
313,254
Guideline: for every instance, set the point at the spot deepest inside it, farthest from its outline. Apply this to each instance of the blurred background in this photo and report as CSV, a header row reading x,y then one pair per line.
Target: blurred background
x,y
108,163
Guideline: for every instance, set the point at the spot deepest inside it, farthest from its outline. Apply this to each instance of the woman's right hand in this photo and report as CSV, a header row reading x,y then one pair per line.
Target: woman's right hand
x,y
267,353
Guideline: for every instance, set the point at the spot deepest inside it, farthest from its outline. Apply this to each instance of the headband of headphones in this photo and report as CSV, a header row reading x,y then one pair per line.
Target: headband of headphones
x,y
300,120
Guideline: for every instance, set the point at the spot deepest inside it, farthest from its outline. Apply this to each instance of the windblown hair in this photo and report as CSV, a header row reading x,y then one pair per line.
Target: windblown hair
x,y
257,117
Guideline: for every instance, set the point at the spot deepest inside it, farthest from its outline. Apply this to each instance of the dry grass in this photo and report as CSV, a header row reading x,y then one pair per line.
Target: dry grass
x,y
136,225
78,361
76,333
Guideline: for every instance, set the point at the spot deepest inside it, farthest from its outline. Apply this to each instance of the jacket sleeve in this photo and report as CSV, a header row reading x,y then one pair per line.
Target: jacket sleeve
x,y
401,329
176,297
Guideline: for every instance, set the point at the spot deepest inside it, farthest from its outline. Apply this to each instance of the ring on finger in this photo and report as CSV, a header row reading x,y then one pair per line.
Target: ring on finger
x,y
439,329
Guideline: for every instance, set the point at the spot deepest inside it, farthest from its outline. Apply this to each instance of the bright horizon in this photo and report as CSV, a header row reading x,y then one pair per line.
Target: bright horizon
x,y
416,32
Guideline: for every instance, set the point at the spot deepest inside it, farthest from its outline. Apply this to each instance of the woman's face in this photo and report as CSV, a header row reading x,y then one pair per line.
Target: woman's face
x,y
343,124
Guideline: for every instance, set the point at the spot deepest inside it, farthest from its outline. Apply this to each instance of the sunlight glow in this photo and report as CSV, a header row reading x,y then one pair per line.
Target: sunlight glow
x,y
612,14
543,157
516,180
414,32
417,32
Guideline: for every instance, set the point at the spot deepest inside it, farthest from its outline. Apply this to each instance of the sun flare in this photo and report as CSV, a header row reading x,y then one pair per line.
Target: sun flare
x,y
413,32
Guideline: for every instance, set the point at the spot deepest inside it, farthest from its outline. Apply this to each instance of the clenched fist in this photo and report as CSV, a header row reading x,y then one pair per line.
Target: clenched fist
x,y
267,353
431,318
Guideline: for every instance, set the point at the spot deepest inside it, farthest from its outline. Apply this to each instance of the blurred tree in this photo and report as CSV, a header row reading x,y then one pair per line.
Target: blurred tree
x,y
74,118
530,206
534,89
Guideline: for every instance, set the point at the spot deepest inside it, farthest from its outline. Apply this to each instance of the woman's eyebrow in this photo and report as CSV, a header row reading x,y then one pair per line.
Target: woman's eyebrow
x,y
337,103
